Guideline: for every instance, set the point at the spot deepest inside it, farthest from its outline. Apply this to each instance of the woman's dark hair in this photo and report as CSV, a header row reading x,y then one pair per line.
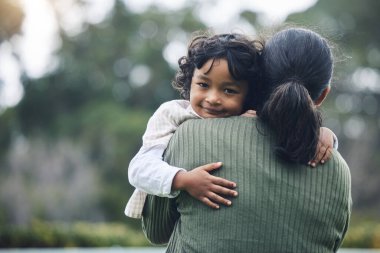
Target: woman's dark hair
x,y
298,67
241,53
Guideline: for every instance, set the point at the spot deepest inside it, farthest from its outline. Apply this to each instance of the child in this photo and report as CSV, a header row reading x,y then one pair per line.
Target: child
x,y
216,80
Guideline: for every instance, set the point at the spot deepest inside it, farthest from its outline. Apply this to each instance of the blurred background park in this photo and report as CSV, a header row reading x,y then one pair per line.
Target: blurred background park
x,y
79,80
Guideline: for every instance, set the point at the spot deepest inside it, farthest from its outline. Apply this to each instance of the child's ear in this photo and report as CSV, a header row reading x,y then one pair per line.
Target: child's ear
x,y
322,97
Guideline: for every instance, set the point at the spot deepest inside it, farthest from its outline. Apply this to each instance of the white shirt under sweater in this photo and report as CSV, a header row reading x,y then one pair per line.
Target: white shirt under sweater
x,y
147,171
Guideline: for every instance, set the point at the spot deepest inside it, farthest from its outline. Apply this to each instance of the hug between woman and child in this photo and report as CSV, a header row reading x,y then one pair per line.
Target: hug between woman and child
x,y
217,78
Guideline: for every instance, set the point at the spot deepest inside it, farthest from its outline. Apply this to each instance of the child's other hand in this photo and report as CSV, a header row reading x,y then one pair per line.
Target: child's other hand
x,y
324,148
249,113
205,187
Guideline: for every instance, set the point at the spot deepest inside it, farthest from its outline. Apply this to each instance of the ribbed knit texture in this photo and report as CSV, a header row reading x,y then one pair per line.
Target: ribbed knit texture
x,y
280,207
159,218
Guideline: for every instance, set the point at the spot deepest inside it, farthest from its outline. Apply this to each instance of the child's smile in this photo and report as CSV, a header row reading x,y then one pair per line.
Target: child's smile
x,y
214,93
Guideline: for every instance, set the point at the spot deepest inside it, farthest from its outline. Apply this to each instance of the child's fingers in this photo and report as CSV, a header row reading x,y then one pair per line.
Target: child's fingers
x,y
223,182
217,180
218,199
312,163
209,203
249,113
211,166
321,153
318,156
224,191
327,155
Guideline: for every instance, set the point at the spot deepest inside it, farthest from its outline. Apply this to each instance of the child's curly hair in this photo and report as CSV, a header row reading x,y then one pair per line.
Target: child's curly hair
x,y
241,53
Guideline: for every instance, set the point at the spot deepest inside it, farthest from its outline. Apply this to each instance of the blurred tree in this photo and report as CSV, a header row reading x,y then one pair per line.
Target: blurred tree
x,y
120,60
11,18
352,24
110,78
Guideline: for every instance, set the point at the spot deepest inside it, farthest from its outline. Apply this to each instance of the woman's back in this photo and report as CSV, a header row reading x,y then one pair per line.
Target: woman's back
x,y
280,207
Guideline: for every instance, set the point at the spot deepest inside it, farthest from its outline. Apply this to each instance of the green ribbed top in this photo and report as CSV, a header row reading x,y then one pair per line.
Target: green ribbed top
x,y
280,207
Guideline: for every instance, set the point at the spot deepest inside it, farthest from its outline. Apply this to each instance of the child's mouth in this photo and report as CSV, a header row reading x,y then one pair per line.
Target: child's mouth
x,y
212,111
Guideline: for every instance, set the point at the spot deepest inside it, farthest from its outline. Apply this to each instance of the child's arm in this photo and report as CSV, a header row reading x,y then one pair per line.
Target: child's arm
x,y
149,173
327,142
205,187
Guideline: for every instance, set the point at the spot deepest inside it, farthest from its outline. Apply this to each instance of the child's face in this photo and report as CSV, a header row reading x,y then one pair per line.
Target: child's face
x,y
214,93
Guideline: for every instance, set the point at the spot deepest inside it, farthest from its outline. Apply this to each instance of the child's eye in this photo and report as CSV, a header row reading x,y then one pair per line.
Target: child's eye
x,y
203,85
230,91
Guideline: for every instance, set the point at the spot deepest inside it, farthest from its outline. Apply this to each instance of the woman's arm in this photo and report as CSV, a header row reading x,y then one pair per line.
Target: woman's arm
x,y
159,218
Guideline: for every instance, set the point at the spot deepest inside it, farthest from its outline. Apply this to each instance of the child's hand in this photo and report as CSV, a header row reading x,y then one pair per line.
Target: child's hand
x,y
249,113
324,148
205,187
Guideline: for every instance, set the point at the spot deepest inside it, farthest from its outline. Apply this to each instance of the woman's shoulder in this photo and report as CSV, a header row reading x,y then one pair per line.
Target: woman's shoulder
x,y
339,162
236,127
239,120
234,122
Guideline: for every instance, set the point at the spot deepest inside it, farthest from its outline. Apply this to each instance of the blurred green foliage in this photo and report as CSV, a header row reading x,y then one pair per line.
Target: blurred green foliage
x,y
90,101
41,234
363,232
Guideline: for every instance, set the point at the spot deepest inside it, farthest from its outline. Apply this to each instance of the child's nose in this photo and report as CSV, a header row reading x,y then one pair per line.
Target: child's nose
x,y
213,98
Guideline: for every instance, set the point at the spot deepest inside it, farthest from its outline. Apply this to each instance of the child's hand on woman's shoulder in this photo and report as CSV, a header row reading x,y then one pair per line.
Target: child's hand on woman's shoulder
x,y
324,148
249,113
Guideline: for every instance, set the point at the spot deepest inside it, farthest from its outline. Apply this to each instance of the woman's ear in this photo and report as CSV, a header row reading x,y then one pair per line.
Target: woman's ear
x,y
322,97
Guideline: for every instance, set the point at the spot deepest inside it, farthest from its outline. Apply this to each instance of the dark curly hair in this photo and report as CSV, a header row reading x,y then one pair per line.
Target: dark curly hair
x,y
241,53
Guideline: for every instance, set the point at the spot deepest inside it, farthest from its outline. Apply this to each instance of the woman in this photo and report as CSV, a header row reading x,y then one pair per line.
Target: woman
x,y
283,205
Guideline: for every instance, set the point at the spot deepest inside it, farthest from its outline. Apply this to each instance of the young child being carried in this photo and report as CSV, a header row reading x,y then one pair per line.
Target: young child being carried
x,y
216,79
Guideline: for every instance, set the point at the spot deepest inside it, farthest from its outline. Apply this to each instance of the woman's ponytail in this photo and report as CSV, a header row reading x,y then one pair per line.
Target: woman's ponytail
x,y
292,115
297,66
